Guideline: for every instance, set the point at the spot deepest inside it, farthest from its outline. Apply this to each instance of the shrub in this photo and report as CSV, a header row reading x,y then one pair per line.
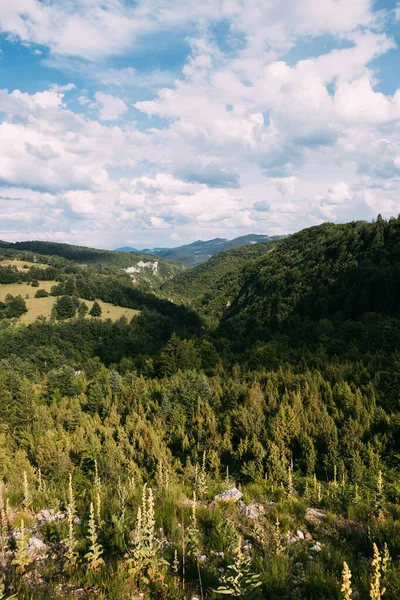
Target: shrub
x,y
42,294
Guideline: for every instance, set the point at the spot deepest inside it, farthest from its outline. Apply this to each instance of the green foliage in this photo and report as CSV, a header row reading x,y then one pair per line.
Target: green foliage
x,y
22,557
13,307
95,311
293,399
42,294
93,556
65,308
240,581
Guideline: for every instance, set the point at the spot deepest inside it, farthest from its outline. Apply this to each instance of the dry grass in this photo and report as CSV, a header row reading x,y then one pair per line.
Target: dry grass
x,y
24,289
20,264
42,306
37,307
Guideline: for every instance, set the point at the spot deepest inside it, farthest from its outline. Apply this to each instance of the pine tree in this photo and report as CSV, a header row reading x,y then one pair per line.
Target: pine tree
x,y
95,311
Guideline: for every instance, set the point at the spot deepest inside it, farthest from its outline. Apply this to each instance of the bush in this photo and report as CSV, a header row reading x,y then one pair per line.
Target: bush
x,y
42,294
15,306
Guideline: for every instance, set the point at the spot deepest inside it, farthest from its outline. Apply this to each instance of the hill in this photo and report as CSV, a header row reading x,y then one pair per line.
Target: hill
x,y
200,251
158,457
151,272
210,287
329,285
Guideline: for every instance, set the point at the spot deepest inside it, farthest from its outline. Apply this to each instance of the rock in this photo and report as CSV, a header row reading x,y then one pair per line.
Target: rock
x,y
298,565
315,515
202,558
309,537
252,511
293,540
232,495
300,534
316,547
247,546
49,516
37,549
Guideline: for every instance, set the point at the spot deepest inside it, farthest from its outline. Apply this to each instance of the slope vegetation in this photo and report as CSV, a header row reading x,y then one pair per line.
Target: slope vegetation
x,y
211,286
326,283
150,270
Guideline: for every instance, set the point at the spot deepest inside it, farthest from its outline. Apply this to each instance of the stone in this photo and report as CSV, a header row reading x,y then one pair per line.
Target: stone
x,y
232,495
316,547
247,546
315,515
309,537
252,511
202,558
300,534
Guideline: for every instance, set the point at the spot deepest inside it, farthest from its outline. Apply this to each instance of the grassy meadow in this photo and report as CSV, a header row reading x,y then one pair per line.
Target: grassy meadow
x,y
42,306
22,264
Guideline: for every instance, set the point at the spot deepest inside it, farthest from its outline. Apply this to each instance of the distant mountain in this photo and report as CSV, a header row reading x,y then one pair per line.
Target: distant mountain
x,y
198,252
126,249
150,270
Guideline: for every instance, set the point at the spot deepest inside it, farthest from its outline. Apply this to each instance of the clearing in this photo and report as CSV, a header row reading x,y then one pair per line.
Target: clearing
x,y
24,289
22,264
42,306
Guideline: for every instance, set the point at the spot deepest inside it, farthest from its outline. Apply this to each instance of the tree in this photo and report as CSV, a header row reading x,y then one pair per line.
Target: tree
x,y
95,311
83,309
42,294
65,307
179,355
15,306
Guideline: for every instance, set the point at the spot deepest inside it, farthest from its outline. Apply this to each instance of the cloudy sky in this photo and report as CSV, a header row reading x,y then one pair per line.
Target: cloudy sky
x,y
157,122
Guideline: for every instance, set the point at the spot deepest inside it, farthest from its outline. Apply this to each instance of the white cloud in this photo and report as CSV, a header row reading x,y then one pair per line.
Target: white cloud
x,y
110,107
248,141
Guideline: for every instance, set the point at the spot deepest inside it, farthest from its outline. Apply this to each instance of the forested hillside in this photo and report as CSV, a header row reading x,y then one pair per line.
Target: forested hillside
x,y
150,270
243,442
212,286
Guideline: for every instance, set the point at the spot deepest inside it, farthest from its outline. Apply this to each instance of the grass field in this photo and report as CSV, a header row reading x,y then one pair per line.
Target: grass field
x,y
24,289
42,306
20,264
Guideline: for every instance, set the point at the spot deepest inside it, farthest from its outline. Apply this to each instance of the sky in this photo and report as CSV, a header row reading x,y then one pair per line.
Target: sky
x,y
159,122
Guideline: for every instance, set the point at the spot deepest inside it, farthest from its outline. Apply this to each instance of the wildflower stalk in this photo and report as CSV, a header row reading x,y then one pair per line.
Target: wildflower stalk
x,y
346,582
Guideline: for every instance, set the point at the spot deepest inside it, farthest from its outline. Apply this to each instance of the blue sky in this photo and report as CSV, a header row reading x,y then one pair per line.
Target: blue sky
x,y
154,123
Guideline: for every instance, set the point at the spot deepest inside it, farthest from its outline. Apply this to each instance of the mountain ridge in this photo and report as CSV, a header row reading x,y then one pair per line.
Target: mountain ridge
x,y
200,251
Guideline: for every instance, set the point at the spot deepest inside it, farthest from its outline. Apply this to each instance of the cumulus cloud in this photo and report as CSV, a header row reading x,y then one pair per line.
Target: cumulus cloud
x,y
110,107
241,140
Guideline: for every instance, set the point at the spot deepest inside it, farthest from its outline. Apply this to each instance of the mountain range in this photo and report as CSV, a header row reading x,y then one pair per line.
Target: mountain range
x,y
200,251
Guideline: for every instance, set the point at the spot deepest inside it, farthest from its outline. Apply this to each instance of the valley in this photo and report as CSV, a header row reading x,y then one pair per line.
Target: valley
x,y
238,437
